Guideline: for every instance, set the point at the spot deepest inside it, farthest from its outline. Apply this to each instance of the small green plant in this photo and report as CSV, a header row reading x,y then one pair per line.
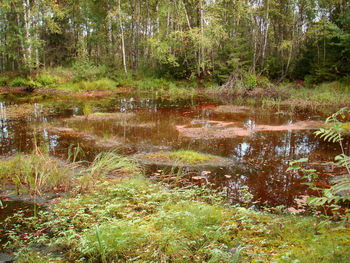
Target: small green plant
x,y
87,110
100,246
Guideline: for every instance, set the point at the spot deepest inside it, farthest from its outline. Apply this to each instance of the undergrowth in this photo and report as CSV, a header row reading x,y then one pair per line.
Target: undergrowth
x,y
144,222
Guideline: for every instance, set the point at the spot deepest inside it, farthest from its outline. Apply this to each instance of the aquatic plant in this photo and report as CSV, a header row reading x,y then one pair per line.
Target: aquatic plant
x,y
87,110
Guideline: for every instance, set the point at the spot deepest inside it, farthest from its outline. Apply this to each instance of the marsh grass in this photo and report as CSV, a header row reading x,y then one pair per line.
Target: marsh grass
x,y
145,222
36,173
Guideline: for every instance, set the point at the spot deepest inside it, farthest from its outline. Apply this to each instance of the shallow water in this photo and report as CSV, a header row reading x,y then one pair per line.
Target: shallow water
x,y
150,124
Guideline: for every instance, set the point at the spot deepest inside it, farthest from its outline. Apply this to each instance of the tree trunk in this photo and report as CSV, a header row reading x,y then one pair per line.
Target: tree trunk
x,y
267,25
122,38
26,19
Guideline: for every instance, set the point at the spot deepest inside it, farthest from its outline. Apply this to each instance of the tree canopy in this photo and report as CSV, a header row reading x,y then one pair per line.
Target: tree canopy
x,y
296,39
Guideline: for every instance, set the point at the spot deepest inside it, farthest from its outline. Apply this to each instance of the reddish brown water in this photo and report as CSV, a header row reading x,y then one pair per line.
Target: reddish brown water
x,y
261,158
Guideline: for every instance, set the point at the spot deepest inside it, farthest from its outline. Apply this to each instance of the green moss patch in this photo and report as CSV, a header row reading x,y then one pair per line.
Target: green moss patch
x,y
180,157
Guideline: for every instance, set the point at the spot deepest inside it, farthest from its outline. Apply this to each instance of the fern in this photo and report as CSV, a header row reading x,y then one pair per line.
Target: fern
x,y
340,190
342,160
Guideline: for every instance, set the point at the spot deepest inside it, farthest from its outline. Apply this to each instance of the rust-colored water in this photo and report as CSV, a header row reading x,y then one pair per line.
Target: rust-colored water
x,y
261,156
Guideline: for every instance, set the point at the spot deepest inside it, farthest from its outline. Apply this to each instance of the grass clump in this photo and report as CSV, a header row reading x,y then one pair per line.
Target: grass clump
x,y
40,173
36,173
145,222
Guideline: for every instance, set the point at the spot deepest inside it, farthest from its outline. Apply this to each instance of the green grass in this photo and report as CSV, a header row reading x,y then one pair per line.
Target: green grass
x,y
39,173
334,93
144,222
36,173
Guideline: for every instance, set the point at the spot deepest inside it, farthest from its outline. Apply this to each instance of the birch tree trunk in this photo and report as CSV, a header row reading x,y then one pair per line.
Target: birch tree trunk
x,y
267,25
122,38
26,19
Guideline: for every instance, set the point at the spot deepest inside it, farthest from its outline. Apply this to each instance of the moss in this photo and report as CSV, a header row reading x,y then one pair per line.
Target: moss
x,y
180,157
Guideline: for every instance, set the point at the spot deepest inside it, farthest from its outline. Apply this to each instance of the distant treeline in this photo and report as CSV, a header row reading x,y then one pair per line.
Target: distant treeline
x,y
296,39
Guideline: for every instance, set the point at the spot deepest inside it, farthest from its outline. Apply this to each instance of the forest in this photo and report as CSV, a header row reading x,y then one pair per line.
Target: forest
x,y
293,39
174,131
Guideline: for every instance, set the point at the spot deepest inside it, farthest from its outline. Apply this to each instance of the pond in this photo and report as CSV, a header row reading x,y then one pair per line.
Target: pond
x,y
259,142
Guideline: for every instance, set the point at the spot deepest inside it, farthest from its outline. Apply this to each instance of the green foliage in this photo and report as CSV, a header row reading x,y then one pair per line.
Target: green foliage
x,y
87,110
18,82
149,222
47,80
36,173
101,84
250,81
4,80
86,70
339,192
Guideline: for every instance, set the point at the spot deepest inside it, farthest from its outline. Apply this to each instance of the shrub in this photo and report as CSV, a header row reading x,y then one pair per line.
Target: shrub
x,y
250,81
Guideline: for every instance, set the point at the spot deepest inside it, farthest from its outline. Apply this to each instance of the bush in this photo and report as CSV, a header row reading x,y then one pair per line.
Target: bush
x,y
250,81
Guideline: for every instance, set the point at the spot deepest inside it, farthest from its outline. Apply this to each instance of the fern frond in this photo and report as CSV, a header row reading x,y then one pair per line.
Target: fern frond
x,y
342,185
343,160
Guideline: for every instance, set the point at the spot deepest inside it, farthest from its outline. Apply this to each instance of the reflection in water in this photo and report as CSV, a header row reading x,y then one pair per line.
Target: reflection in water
x,y
261,158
